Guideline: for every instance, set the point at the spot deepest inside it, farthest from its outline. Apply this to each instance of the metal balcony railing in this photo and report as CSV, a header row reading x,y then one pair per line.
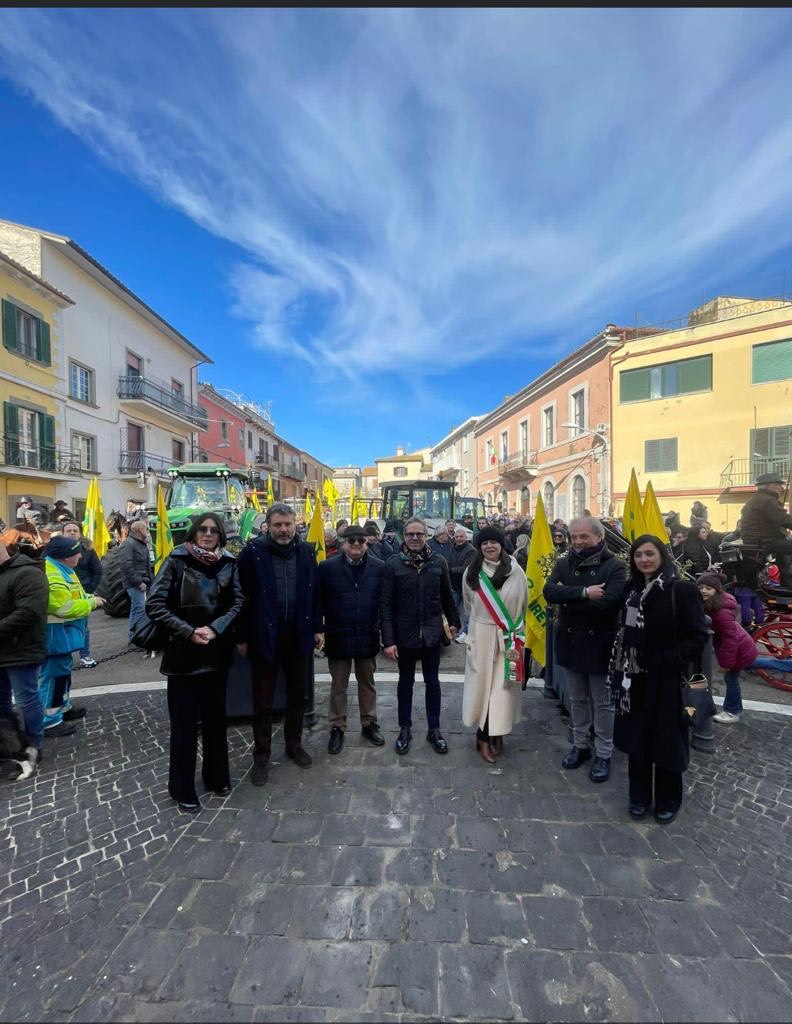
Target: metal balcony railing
x,y
139,462
47,458
146,389
522,462
292,470
267,460
743,472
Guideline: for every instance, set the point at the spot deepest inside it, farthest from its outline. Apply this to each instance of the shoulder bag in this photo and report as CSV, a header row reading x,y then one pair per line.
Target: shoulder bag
x,y
697,702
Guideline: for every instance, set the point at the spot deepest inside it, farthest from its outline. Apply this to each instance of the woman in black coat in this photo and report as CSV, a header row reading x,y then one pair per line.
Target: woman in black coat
x,y
196,596
662,631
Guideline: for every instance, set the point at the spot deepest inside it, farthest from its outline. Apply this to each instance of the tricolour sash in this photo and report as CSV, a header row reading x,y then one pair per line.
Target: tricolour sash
x,y
513,632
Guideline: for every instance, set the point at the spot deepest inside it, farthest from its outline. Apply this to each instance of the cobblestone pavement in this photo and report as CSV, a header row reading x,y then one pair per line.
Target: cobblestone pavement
x,y
379,888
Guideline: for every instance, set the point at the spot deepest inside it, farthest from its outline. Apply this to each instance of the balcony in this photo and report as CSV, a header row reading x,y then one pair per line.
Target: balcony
x,y
148,392
267,461
293,470
130,463
522,466
37,460
742,473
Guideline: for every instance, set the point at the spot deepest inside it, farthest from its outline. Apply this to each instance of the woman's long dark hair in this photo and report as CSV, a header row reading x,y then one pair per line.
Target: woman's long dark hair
x,y
667,564
192,533
477,561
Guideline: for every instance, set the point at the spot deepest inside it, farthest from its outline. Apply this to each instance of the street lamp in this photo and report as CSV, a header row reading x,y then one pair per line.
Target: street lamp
x,y
585,432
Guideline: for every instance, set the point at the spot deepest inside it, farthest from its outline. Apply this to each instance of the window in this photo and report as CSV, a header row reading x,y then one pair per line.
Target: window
x,y
26,334
660,456
177,388
490,453
241,438
250,440
134,367
177,451
504,445
84,451
524,438
466,480
400,471
578,496
771,362
547,500
577,401
680,378
223,430
29,437
466,443
770,450
548,427
81,382
503,504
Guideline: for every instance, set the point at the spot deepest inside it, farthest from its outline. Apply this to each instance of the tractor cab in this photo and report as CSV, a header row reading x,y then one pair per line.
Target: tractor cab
x,y
198,487
430,500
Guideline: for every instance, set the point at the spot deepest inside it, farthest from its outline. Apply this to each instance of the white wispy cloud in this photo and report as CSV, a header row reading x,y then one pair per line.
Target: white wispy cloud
x,y
426,181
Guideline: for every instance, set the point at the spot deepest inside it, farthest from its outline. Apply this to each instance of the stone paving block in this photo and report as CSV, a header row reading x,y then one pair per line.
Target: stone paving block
x,y
575,839
388,830
495,918
208,858
206,969
370,800
411,867
297,827
290,1014
264,910
310,865
271,972
337,975
343,830
620,876
436,915
683,990
211,907
680,928
480,834
433,831
515,872
751,989
674,881
359,865
618,926
464,869
322,913
555,922
258,863
140,963
413,968
524,835
246,825
380,915
194,1012
412,801
473,983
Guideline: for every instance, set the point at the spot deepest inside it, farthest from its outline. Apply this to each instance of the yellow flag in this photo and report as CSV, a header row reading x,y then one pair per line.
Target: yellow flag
x,y
315,534
541,558
94,525
330,493
270,491
307,511
633,524
653,520
163,544
254,501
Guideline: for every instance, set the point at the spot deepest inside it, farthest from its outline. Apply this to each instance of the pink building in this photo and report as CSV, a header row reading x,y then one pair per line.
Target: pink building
x,y
552,438
224,437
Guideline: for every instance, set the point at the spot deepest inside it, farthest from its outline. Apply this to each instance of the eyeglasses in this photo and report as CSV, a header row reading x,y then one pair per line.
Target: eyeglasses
x,y
355,540
208,529
415,536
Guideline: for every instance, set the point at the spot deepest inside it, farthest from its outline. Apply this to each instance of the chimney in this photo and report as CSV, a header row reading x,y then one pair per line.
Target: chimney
x,y
399,450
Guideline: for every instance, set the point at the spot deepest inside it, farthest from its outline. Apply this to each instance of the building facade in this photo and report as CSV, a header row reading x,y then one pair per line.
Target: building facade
x,y
454,458
37,456
403,465
223,440
128,377
703,409
552,438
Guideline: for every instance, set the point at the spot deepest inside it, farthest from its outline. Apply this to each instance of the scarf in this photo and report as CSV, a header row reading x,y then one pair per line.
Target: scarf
x,y
281,550
415,559
628,657
581,556
202,555
512,631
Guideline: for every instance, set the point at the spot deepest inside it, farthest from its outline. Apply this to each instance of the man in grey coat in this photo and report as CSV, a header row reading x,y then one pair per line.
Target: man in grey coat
x,y
136,572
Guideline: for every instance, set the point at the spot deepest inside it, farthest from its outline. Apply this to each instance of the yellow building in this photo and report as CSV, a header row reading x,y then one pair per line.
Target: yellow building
x,y
32,458
403,465
701,410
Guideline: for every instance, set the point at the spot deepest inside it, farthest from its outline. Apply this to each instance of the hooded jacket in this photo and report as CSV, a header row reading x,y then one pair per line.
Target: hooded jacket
x,y
734,648
24,594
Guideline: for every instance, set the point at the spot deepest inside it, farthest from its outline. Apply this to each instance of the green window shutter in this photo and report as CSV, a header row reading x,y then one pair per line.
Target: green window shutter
x,y
634,385
651,456
694,375
11,428
660,456
43,349
772,362
9,325
47,442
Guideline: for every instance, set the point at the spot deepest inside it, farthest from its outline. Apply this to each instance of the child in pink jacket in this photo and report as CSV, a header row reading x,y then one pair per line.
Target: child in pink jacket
x,y
734,647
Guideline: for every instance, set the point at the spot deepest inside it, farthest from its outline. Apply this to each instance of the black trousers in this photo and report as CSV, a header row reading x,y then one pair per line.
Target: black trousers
x,y
429,658
192,699
265,677
667,786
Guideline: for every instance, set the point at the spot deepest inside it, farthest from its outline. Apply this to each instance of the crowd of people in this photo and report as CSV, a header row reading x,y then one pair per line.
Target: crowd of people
x,y
629,631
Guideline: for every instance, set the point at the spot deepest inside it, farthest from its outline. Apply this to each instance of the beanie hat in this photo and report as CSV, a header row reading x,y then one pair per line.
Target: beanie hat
x,y
63,547
711,579
490,533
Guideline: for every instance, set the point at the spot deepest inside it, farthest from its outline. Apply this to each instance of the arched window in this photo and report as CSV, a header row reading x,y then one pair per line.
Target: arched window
x,y
578,496
548,500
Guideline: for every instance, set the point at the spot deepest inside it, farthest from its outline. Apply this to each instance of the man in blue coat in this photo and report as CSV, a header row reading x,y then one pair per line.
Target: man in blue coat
x,y
350,588
278,628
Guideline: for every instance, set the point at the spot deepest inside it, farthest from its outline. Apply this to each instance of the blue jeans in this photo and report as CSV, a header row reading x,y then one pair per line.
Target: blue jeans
x,y
22,681
464,618
732,702
137,605
85,651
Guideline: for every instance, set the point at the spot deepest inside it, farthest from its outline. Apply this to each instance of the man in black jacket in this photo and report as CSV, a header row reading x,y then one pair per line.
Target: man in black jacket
x,y
459,558
765,523
136,575
24,595
587,585
416,593
278,628
350,588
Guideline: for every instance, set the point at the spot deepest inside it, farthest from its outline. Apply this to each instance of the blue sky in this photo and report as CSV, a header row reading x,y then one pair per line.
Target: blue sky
x,y
384,221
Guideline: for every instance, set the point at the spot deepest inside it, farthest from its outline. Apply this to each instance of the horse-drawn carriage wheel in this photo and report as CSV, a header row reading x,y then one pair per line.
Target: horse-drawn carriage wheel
x,y
774,639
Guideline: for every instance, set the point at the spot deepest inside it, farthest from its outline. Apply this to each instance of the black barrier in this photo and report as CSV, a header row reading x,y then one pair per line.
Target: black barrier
x,y
239,694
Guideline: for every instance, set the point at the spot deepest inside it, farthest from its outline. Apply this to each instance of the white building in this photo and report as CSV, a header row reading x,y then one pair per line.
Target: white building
x,y
454,458
128,377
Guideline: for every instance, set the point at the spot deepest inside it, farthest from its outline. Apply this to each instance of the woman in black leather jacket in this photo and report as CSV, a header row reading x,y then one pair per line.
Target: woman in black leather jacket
x,y
196,596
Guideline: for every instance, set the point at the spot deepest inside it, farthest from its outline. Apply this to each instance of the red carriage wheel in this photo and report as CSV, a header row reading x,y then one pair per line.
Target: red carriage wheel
x,y
774,640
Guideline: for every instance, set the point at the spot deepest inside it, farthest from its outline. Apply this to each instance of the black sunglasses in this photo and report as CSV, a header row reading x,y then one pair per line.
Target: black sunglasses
x,y
355,540
208,529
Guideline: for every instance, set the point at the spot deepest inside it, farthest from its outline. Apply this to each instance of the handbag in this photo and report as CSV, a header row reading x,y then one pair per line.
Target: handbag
x,y
697,702
151,636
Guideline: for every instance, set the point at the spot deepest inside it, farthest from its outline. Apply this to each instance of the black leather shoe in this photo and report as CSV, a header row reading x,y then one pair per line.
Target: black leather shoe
x,y
61,729
373,735
75,712
189,808
300,757
665,817
403,741
259,773
637,811
600,770
223,791
437,741
576,757
336,740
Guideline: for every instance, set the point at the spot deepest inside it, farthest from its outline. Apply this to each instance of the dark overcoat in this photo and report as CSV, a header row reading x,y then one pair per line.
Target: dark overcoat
x,y
351,607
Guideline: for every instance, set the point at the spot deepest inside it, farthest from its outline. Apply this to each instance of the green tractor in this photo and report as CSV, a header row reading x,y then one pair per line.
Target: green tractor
x,y
195,488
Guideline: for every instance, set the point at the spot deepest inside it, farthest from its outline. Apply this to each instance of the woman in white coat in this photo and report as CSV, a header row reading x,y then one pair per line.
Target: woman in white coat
x,y
495,593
